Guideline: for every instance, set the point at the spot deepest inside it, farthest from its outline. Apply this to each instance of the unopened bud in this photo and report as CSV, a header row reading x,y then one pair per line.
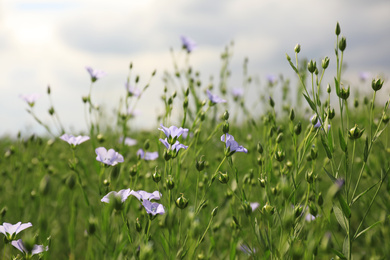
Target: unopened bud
x,y
247,208
328,89
138,225
170,182
279,155
223,177
92,224
225,128
325,62
292,114
279,138
214,212
225,115
133,170
377,84
298,128
311,66
342,44
200,164
297,48
309,176
146,144
338,30
355,133
271,102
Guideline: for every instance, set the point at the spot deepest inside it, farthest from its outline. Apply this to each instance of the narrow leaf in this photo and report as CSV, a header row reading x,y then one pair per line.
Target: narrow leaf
x,y
346,247
339,254
343,144
326,147
291,64
337,85
344,206
330,142
366,150
365,230
330,176
364,192
340,218
311,103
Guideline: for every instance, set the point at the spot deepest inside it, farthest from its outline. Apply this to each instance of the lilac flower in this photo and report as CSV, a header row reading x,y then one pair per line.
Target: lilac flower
x,y
109,157
153,208
254,205
214,98
232,145
364,75
95,74
271,79
30,98
122,195
237,93
147,156
173,131
175,147
246,249
128,141
318,124
188,43
132,91
10,231
37,249
143,195
309,217
73,141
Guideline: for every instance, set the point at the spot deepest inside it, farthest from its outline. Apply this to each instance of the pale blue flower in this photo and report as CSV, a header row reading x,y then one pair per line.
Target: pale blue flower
x,y
37,249
122,195
128,141
10,231
214,98
271,79
173,131
153,208
72,140
254,205
147,156
95,74
188,43
175,147
132,91
143,195
109,157
232,145
30,98
237,93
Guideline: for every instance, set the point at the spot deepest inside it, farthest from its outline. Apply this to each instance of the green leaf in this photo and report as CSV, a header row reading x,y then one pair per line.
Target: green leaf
x,y
343,144
346,247
330,142
339,254
340,218
311,103
378,134
344,206
365,230
291,64
330,176
364,192
337,85
327,150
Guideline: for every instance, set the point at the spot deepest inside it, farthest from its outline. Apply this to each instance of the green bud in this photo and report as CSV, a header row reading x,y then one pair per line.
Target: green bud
x,y
268,209
138,225
51,111
311,66
225,115
325,63
377,84
298,128
174,94
225,128
92,224
200,164
309,176
3,211
223,177
100,138
328,89
85,99
314,120
48,90
356,103
170,182
338,30
292,114
313,208
297,48
154,73
355,133
156,176
331,113
313,153
385,118
320,199
71,180
170,101
247,208
279,138
342,44
262,182
259,148
44,185
181,202
279,155
260,160
271,102
298,211
187,92
214,212
185,103
202,116
167,155
106,182
137,79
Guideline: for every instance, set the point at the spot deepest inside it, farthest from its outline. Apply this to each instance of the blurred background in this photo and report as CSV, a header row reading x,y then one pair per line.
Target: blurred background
x,y
50,42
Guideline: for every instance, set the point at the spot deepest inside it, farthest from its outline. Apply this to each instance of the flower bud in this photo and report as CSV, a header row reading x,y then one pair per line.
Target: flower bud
x,y
170,182
44,185
279,138
187,92
331,113
297,48
309,176
298,211
314,119
181,202
311,66
377,84
313,153
338,30
185,103
166,155
313,208
92,224
342,44
325,62
271,102
106,182
200,164
385,118
223,177
247,208
51,111
356,103
202,116
298,128
344,93
71,180
320,199
328,89
268,209
279,155
3,211
85,99
260,160
225,115
214,212
138,225
355,133
225,128
292,114
262,181
259,148
100,138
156,176
170,101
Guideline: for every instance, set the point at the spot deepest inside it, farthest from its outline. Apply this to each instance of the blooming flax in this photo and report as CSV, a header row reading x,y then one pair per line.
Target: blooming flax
x,y
188,43
30,98
37,249
72,140
109,157
231,145
10,231
214,99
95,74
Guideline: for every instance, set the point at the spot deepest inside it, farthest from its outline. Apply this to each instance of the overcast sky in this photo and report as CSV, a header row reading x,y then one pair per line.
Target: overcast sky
x,y
51,42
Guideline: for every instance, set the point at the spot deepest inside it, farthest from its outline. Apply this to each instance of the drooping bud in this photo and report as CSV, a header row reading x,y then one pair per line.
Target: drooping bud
x,y
181,202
